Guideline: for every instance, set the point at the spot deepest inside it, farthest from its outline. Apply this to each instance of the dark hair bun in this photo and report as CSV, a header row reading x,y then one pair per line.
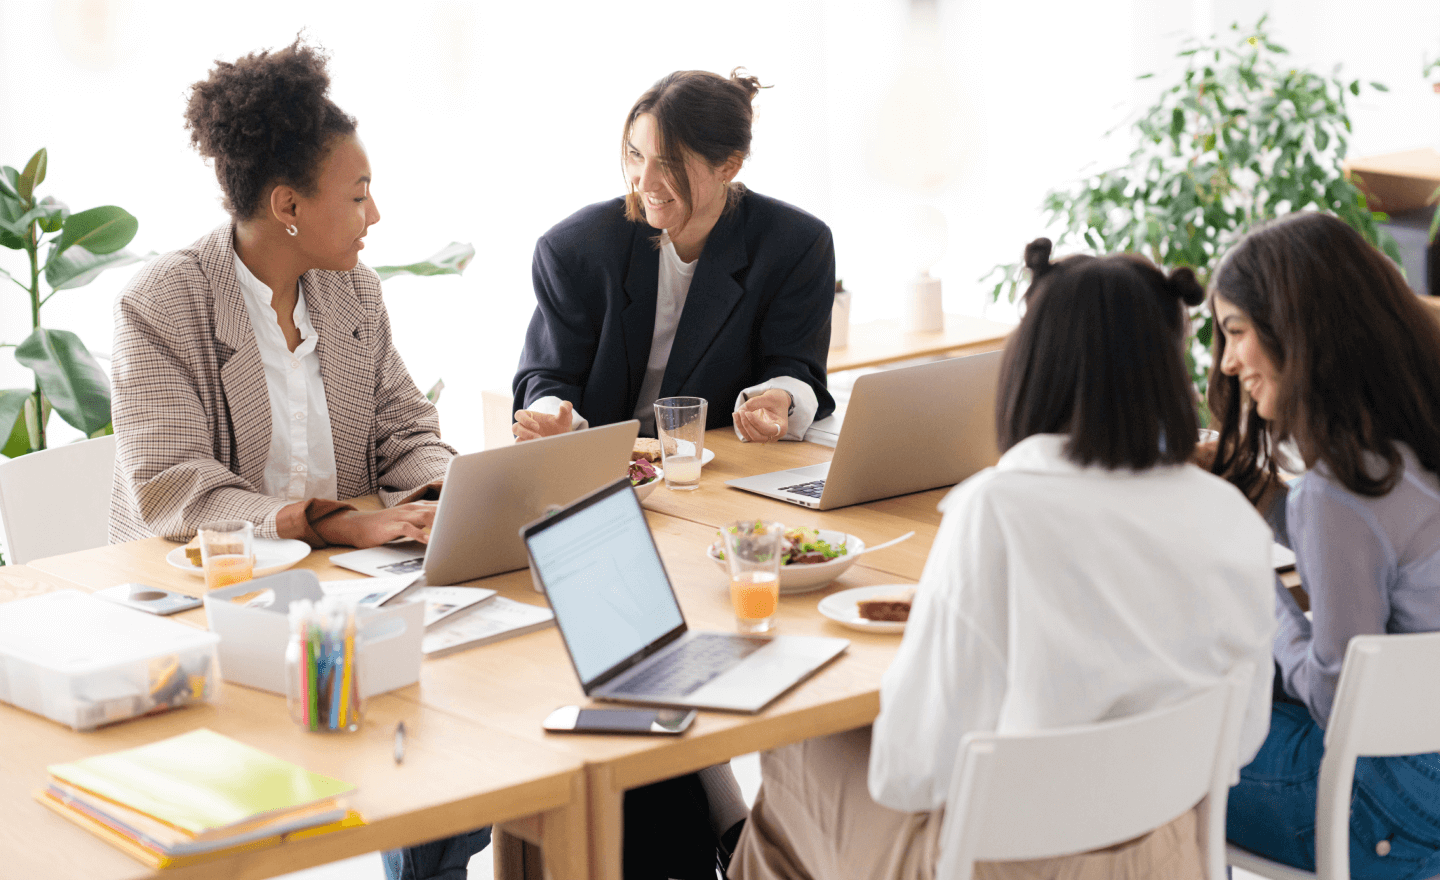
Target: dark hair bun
x,y
1183,284
750,85
265,119
1037,256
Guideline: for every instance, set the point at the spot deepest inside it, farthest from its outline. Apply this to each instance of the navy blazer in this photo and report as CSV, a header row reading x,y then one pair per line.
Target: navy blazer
x,y
758,307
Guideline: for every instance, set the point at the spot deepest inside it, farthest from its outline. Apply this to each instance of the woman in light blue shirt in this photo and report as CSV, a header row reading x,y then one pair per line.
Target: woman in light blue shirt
x,y
1320,341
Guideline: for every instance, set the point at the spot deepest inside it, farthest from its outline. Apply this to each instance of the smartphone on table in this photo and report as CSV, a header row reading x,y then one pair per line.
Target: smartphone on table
x,y
653,722
154,600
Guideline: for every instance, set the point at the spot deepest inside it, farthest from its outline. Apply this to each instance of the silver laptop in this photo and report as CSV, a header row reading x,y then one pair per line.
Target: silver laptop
x,y
906,430
617,613
489,495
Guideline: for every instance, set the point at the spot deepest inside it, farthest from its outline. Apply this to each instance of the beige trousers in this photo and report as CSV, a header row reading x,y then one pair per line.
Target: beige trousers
x,y
814,819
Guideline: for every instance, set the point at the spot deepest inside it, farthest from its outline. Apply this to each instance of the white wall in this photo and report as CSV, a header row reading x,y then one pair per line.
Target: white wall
x,y
489,122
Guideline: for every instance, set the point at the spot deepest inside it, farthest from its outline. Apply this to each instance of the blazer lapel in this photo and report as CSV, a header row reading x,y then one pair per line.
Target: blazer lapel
x,y
336,315
638,317
241,372
714,292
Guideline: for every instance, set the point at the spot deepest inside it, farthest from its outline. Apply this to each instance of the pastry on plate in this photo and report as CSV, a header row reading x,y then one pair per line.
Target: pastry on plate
x,y
648,448
889,607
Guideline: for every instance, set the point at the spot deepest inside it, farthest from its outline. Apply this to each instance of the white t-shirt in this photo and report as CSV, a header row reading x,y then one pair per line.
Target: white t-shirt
x,y
301,461
1057,595
671,291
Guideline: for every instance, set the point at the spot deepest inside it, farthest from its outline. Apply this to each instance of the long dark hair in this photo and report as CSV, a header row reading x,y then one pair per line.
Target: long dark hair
x,y
698,112
1098,357
1357,357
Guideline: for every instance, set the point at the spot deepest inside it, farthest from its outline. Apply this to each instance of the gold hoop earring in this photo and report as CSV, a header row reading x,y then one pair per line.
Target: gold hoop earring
x,y
292,230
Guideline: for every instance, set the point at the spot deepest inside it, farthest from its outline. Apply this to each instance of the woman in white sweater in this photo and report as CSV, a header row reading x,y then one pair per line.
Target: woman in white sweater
x,y
1093,573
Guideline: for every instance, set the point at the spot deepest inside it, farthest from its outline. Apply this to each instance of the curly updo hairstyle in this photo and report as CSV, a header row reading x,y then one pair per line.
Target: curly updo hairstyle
x,y
697,112
265,120
1099,357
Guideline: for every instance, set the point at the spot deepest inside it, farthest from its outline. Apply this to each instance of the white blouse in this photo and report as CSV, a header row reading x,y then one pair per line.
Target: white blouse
x,y
671,291
1057,595
301,461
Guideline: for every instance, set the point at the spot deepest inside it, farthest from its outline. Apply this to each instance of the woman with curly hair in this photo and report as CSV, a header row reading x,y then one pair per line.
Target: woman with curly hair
x,y
1323,344
254,373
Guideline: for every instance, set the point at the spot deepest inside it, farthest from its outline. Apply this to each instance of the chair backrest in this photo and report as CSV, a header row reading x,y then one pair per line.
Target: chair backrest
x,y
1055,792
57,500
1387,703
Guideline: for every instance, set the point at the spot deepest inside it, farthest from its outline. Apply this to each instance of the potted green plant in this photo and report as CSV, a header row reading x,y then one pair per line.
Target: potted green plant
x,y
76,249
1241,138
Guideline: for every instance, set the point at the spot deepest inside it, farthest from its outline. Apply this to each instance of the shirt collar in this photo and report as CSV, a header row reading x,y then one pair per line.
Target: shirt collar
x,y
1039,453
258,294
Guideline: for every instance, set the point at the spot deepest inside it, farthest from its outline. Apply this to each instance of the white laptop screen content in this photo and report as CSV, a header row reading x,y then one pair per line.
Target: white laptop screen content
x,y
605,582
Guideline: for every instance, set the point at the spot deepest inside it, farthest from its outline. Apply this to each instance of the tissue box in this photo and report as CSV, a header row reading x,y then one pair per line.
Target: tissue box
x,y
252,640
85,662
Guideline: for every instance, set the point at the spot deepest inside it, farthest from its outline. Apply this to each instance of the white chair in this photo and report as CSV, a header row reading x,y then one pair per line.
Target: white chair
x,y
1055,792
1387,703
57,500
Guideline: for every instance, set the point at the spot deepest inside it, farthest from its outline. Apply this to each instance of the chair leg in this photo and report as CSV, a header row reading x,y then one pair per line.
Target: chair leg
x,y
516,859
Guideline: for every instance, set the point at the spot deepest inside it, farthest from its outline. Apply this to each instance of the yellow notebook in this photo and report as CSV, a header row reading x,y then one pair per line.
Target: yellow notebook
x,y
157,859
203,784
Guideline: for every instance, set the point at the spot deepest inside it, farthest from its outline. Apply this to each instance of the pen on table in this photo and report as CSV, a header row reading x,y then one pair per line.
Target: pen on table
x,y
399,742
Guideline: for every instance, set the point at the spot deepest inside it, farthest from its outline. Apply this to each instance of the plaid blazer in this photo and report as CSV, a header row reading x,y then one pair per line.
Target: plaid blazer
x,y
192,412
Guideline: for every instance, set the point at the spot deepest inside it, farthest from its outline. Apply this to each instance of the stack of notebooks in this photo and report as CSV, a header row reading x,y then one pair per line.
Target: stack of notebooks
x,y
194,797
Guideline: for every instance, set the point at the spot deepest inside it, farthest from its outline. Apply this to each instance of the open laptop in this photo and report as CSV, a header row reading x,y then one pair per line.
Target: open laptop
x,y
906,430
489,495
597,564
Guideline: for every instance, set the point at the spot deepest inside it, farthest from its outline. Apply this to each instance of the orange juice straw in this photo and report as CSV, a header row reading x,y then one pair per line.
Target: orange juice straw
x,y
349,661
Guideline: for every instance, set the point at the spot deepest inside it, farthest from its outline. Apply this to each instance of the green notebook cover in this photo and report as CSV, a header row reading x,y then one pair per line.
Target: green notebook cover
x,y
200,782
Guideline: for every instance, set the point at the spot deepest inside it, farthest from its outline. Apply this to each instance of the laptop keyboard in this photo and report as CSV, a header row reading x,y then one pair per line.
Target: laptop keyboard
x,y
694,664
408,566
812,489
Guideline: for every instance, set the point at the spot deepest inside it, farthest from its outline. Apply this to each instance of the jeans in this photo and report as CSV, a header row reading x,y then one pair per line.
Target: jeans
x,y
1395,800
443,859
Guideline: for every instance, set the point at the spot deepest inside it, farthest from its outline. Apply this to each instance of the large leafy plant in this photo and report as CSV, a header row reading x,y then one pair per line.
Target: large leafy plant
x,y
1241,138
76,248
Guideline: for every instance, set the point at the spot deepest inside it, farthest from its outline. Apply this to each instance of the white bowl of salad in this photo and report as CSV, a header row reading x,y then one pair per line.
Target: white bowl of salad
x,y
644,477
813,557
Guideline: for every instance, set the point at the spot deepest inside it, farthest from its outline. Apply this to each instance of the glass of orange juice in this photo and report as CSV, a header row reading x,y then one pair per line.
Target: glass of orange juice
x,y
752,551
227,552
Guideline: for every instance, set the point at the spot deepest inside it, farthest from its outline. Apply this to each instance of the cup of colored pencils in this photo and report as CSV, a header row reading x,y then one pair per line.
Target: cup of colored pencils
x,y
321,666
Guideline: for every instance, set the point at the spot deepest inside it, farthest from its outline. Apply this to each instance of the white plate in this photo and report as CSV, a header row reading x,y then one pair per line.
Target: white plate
x,y
685,447
814,576
644,489
271,555
843,608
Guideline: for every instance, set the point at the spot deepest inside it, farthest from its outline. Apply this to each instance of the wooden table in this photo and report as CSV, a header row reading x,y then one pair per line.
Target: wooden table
x,y
875,343
497,694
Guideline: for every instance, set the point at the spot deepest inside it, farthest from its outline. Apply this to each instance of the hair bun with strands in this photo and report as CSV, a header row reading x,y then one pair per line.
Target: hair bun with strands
x,y
1186,288
1037,257
750,85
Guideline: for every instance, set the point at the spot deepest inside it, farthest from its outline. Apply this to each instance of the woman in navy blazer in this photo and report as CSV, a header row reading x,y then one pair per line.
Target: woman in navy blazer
x,y
730,301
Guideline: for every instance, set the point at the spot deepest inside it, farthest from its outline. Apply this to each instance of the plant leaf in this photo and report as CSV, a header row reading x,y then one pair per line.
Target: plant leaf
x,y
101,230
32,176
77,267
8,178
56,212
1379,87
450,260
11,210
433,395
12,423
69,376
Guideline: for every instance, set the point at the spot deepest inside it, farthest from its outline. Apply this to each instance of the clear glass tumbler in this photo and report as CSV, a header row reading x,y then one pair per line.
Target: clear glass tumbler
x,y
680,425
752,552
227,552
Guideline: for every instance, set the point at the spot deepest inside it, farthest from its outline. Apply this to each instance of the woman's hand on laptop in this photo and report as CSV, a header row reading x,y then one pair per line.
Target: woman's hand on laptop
x,y
764,417
530,424
356,528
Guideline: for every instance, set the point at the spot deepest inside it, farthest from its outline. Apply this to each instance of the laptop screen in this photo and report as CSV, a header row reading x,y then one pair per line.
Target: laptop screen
x,y
604,580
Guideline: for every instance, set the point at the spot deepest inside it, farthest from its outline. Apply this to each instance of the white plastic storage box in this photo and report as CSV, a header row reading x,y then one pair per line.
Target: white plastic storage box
x,y
253,640
85,662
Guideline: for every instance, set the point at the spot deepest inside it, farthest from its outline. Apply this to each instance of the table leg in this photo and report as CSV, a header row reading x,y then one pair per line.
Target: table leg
x,y
553,845
607,810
